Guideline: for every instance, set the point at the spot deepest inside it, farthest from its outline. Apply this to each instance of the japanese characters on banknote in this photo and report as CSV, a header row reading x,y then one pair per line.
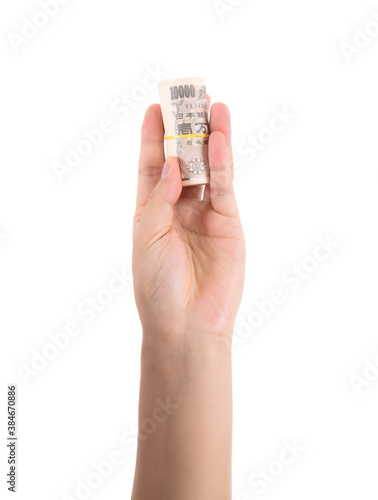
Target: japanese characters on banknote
x,y
185,114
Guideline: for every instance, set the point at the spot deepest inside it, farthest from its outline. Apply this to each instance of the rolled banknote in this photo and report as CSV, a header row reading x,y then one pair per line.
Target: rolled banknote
x,y
185,115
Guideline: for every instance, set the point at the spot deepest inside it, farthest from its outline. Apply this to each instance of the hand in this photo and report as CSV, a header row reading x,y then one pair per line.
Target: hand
x,y
189,255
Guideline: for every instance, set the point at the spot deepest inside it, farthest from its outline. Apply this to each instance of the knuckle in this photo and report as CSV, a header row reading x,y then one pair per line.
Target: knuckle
x,y
222,177
150,171
218,167
220,191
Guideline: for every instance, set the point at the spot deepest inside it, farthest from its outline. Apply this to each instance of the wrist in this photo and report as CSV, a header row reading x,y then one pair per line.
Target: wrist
x,y
192,346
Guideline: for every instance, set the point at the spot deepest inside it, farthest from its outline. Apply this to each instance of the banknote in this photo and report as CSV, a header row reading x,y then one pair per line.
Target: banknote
x,y
185,115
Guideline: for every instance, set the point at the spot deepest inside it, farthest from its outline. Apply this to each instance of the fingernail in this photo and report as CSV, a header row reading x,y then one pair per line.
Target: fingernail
x,y
165,170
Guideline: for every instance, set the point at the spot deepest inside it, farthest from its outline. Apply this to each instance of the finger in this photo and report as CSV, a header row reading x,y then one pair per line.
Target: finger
x,y
222,196
151,158
220,120
157,216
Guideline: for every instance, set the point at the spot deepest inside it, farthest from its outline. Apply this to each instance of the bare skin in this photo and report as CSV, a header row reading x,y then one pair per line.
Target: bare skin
x,y
188,267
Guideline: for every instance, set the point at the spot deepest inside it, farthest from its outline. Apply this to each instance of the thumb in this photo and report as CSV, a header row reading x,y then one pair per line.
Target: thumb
x,y
157,215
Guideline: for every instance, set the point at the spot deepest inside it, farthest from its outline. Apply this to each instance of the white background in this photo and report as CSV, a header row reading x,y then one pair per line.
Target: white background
x,y
60,241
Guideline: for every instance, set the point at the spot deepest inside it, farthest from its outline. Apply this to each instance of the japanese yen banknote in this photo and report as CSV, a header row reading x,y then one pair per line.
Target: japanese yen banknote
x,y
185,115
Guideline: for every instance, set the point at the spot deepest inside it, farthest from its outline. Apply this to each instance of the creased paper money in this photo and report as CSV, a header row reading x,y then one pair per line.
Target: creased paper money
x,y
185,115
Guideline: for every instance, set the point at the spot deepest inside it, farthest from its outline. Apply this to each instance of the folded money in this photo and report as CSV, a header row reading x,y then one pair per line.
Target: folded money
x,y
185,114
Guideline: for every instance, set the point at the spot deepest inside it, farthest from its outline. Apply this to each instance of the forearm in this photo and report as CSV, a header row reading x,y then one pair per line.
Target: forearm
x,y
185,418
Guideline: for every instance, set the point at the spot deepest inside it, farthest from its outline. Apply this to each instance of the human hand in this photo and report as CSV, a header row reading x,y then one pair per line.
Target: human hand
x,y
189,254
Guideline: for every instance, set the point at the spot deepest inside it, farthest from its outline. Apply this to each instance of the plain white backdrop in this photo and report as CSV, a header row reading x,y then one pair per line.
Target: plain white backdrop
x,y
304,371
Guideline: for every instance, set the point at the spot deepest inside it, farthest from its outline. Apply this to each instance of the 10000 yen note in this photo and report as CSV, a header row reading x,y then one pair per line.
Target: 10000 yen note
x,y
185,115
